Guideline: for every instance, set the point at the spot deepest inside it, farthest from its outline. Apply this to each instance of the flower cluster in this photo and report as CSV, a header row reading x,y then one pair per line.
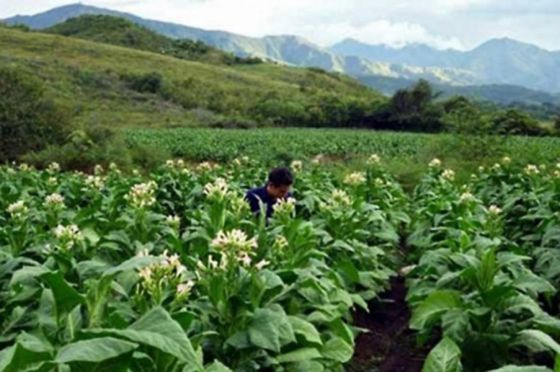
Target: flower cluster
x,y
96,182
167,273
280,243
18,209
54,201
173,221
142,195
466,197
240,161
355,178
374,159
494,210
448,174
98,169
206,166
217,190
506,160
175,164
53,168
285,207
235,240
68,236
339,199
318,159
435,163
532,169
296,165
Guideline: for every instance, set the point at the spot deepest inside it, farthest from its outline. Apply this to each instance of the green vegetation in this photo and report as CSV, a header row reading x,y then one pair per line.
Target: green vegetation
x,y
29,120
171,271
121,32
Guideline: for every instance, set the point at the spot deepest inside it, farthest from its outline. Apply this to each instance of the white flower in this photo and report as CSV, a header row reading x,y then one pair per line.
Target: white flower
x,y
374,159
261,264
113,167
17,209
184,289
54,201
143,253
506,160
466,197
340,198
142,195
280,242
135,172
23,167
217,190
318,159
98,169
558,165
531,169
448,174
52,181
235,240
435,163
296,165
170,164
355,178
173,221
96,182
244,258
497,166
557,174
286,206
53,168
494,210
67,235
205,166
146,274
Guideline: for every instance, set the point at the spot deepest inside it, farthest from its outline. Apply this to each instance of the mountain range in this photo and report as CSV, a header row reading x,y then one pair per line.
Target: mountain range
x,y
530,69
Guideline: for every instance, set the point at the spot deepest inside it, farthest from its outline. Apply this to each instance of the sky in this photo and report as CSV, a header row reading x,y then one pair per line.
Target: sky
x,y
458,24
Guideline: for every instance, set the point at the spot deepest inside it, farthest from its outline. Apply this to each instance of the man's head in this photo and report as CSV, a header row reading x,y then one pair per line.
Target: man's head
x,y
279,182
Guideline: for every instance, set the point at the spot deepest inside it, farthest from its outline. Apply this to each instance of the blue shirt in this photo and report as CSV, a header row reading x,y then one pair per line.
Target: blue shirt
x,y
260,195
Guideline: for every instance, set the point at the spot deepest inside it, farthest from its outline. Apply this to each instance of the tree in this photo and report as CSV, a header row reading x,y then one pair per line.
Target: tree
x,y
413,109
515,122
29,120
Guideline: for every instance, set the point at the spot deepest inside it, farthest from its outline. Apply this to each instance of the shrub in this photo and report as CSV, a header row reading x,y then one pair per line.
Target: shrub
x,y
29,120
151,82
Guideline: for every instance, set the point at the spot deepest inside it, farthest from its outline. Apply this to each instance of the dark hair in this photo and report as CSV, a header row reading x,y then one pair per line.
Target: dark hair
x,y
280,177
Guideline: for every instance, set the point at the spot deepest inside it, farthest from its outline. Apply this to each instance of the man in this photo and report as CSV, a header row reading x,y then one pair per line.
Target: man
x,y
278,187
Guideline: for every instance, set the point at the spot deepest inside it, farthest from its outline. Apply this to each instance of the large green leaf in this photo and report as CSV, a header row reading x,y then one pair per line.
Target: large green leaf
x,y
338,349
65,296
299,355
28,351
445,357
95,350
157,329
270,330
434,306
305,329
522,369
537,341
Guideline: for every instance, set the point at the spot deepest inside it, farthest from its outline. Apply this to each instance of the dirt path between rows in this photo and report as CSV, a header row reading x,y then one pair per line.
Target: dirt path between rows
x,y
389,346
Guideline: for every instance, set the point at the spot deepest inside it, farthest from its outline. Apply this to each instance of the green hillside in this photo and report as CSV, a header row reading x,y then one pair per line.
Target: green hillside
x,y
117,86
121,32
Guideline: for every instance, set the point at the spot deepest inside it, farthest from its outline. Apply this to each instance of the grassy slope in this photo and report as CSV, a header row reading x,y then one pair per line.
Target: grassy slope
x,y
84,76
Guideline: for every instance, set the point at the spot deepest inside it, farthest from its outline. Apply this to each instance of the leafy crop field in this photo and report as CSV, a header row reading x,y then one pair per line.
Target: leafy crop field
x,y
275,144
170,271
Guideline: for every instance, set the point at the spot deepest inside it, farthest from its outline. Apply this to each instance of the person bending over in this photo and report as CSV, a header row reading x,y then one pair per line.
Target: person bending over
x,y
277,187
